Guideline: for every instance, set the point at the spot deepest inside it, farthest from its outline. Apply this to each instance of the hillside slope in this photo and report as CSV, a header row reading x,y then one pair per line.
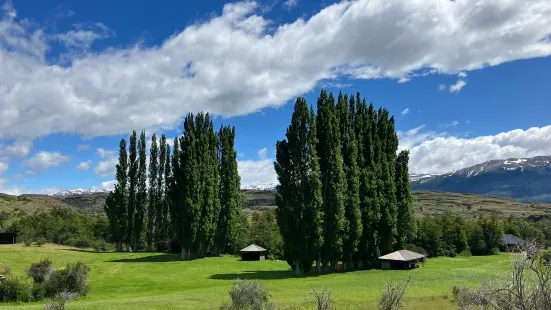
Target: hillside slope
x,y
18,206
524,179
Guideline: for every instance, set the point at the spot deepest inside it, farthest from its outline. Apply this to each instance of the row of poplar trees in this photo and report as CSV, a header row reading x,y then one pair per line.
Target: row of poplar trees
x,y
189,197
344,192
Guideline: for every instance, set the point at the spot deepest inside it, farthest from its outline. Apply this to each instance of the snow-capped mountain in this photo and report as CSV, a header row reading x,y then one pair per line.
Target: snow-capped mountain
x,y
262,186
525,179
79,191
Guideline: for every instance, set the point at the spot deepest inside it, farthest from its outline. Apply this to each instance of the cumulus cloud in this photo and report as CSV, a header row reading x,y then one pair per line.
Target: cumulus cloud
x,y
19,148
3,165
256,172
85,165
462,74
83,147
262,153
107,185
439,153
83,36
44,160
239,62
107,166
442,87
455,88
405,111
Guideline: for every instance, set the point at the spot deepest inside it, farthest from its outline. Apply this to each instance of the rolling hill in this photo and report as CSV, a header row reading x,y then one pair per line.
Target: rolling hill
x,y
523,179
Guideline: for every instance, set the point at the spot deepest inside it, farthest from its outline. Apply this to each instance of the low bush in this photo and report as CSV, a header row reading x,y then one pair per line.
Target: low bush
x,y
28,242
40,242
41,271
466,253
38,291
59,301
323,299
250,295
15,290
393,296
71,279
5,270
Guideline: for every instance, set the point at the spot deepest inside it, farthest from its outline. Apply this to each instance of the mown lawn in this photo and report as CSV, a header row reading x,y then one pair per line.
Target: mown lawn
x,y
161,281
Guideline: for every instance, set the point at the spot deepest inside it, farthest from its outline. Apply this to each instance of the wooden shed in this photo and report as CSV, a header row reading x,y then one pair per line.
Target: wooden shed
x,y
512,243
403,259
7,238
253,252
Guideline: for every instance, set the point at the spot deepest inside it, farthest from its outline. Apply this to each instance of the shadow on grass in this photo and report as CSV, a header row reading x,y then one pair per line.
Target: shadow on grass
x,y
161,258
263,275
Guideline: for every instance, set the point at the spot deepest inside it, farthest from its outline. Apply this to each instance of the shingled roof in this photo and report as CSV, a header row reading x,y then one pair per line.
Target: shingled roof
x,y
512,239
253,248
402,255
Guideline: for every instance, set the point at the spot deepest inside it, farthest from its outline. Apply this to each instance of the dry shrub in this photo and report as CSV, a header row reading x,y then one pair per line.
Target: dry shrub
x,y
527,286
60,300
71,279
41,271
323,299
393,296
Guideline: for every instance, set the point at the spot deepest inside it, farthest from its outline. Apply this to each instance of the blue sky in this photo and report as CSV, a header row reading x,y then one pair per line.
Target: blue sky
x,y
467,83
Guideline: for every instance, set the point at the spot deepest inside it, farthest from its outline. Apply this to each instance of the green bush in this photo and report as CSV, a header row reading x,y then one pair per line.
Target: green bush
x,y
41,271
466,253
38,291
28,242
248,295
71,279
82,243
15,290
40,242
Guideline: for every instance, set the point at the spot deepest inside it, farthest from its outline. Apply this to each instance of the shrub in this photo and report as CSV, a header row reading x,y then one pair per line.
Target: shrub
x,y
59,301
466,253
100,246
393,296
28,242
41,271
5,270
71,279
81,243
323,299
38,291
15,289
40,242
248,295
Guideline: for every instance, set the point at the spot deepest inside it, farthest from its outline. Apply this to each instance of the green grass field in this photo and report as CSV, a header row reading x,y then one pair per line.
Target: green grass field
x,y
160,281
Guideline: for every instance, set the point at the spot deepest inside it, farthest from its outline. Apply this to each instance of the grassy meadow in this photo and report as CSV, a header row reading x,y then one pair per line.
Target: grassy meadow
x,y
162,281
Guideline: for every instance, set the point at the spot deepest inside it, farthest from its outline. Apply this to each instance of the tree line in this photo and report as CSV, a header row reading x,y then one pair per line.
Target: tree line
x,y
344,192
188,197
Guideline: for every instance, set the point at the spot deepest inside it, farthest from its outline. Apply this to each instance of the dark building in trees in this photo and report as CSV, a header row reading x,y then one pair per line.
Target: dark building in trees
x,y
7,238
253,252
512,243
402,259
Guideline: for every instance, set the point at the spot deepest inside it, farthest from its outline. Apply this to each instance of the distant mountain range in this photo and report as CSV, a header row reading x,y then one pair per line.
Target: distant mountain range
x,y
524,179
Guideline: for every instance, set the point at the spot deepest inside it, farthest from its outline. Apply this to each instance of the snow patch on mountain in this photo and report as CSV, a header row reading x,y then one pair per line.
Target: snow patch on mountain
x,y
79,191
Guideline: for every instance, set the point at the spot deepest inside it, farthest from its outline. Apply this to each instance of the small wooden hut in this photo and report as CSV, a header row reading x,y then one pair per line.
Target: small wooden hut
x,y
512,243
253,252
403,259
7,238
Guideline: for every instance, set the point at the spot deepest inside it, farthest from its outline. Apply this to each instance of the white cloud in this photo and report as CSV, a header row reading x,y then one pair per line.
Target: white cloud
x,y
438,153
239,62
107,166
3,165
83,147
290,3
83,36
455,88
442,87
462,74
262,153
405,111
19,148
85,165
256,171
107,185
44,160
452,124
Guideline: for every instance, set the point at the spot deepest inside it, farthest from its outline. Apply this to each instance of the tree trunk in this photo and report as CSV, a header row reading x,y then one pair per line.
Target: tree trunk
x,y
119,246
318,265
183,254
297,266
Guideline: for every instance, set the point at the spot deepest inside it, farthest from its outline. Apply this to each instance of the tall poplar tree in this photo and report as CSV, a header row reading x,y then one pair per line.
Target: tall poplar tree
x,y
298,195
406,224
132,190
168,227
141,192
152,219
332,179
387,189
228,226
116,202
349,150
160,206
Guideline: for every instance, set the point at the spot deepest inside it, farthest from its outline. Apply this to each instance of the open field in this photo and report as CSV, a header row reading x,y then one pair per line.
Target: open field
x,y
161,281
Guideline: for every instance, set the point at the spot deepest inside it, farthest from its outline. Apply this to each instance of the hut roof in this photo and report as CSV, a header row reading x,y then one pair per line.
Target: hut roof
x,y
402,255
253,248
512,239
